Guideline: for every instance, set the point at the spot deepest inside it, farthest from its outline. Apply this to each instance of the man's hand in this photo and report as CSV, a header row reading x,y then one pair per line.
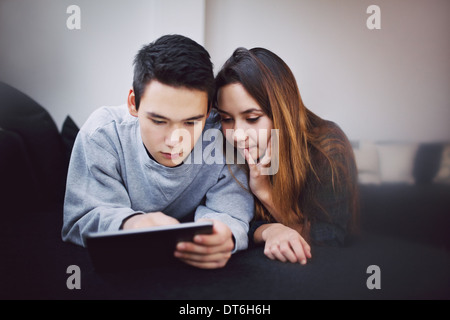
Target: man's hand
x,y
208,251
151,219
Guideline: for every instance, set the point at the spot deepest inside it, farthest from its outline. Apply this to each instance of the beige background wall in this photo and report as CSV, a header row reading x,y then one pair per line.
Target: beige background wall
x,y
392,83
387,84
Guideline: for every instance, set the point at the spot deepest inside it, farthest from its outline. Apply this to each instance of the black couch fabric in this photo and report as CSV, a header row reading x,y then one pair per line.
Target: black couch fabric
x,y
404,233
36,263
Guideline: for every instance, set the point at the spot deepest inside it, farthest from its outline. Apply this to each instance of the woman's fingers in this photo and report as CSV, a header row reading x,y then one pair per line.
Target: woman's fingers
x,y
281,252
293,251
275,249
306,248
249,159
265,161
288,252
299,251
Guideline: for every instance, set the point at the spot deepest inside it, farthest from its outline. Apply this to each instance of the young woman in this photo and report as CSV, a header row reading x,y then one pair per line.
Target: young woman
x,y
312,198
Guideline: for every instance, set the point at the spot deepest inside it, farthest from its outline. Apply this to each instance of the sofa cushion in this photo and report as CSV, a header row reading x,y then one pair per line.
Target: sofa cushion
x,y
396,162
367,162
427,161
443,175
69,133
25,117
18,184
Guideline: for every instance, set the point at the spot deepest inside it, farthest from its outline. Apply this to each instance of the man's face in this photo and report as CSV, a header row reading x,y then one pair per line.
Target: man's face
x,y
171,120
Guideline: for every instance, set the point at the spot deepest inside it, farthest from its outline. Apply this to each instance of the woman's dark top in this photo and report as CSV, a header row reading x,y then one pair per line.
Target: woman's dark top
x,y
329,208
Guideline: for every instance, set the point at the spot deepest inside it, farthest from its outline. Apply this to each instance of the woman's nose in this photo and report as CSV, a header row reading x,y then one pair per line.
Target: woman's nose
x,y
239,136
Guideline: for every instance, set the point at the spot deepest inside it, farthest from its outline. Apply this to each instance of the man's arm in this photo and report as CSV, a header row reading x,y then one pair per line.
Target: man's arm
x,y
231,208
96,198
231,203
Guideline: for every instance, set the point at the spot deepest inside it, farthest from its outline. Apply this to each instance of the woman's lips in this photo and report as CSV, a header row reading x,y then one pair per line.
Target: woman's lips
x,y
245,148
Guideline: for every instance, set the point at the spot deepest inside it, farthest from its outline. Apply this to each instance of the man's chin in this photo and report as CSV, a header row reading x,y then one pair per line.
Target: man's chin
x,y
171,163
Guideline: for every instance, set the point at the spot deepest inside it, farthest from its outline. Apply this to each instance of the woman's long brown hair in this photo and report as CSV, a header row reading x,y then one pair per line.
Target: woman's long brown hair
x,y
268,79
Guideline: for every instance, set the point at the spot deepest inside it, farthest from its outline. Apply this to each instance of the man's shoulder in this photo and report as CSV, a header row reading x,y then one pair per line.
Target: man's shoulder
x,y
104,116
213,120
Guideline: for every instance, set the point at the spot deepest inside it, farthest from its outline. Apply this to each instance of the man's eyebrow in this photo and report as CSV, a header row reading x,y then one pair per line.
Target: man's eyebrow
x,y
200,116
243,112
155,115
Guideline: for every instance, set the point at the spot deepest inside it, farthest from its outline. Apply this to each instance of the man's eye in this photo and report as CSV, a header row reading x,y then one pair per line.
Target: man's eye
x,y
157,121
253,120
190,123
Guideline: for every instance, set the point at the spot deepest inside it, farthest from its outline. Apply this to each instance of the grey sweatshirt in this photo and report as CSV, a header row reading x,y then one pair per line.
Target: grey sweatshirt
x,y
112,177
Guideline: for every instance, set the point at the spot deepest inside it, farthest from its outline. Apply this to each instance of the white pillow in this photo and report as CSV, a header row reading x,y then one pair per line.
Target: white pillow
x,y
369,178
367,162
397,162
443,175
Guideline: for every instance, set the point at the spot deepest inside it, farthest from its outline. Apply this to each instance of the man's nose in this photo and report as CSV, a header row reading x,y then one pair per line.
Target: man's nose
x,y
175,137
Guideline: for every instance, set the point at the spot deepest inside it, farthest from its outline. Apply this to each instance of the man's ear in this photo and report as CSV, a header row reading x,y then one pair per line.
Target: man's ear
x,y
132,103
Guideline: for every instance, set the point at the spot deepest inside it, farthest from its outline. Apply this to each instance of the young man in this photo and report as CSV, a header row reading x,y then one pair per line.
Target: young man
x,y
134,167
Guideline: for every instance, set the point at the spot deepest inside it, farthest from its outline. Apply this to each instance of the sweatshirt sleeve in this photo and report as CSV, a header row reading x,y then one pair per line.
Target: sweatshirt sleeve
x,y
231,203
96,197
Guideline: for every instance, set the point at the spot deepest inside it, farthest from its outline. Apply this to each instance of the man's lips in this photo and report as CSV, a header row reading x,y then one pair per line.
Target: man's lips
x,y
172,156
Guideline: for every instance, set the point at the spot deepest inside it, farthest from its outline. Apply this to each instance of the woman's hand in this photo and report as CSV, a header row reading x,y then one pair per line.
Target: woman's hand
x,y
259,181
284,243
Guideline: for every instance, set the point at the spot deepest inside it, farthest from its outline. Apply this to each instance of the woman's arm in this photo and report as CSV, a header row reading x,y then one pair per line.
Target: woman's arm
x,y
281,242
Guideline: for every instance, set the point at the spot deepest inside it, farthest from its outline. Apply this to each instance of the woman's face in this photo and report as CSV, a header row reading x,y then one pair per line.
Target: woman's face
x,y
244,123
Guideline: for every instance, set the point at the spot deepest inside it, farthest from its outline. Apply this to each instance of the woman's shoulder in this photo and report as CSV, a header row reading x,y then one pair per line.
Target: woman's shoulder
x,y
330,138
332,149
330,130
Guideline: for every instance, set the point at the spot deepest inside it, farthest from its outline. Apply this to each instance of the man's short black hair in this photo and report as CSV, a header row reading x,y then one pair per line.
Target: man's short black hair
x,y
176,61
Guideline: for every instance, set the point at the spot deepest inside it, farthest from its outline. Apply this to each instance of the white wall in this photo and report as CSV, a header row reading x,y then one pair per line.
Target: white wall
x,y
387,84
76,71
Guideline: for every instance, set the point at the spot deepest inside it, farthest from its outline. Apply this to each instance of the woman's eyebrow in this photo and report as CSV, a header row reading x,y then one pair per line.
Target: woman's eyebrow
x,y
221,111
243,112
251,110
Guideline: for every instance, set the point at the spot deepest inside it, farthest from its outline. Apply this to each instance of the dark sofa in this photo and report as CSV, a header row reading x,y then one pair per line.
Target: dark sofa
x,y
404,233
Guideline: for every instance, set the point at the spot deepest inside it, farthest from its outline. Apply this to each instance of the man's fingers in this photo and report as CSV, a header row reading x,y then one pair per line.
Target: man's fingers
x,y
203,248
206,265
201,257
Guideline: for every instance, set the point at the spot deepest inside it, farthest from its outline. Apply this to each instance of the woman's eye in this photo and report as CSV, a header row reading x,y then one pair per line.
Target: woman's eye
x,y
226,120
157,121
253,120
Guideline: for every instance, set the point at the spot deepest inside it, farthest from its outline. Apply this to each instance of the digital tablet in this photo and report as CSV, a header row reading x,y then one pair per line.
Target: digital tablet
x,y
140,248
